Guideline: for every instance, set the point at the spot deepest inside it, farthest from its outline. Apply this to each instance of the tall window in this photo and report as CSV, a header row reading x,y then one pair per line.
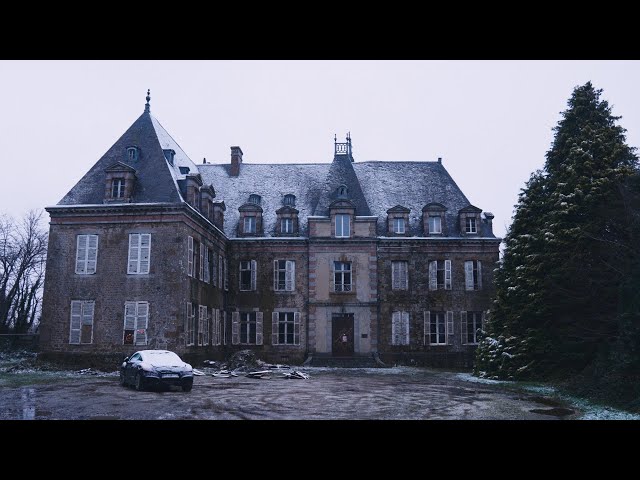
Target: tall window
x,y
342,276
473,275
139,253
471,323
203,326
208,257
81,327
438,328
246,328
201,262
249,225
248,275
190,256
435,224
117,188
284,274
86,254
400,328
226,275
398,225
470,225
285,328
440,275
136,320
221,266
190,325
286,225
215,327
399,276
343,228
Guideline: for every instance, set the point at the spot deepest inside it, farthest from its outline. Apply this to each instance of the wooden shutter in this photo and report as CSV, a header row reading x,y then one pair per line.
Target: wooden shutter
x,y
479,275
395,278
450,328
201,273
290,275
259,321
447,274
468,275
86,329
134,253
214,269
145,252
81,254
76,321
187,320
226,275
220,271
427,327
395,328
404,275
92,253
274,328
190,256
142,322
235,328
405,327
254,271
296,328
463,327
224,328
433,275
207,266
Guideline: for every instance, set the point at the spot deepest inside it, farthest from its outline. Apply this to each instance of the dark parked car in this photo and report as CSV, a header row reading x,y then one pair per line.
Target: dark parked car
x,y
152,368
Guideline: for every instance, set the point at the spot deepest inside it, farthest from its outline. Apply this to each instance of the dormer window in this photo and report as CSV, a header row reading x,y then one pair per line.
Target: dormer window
x,y
184,170
469,219
255,199
132,154
343,226
117,188
470,225
434,219
290,200
398,225
342,191
169,154
119,183
398,220
249,225
286,225
435,224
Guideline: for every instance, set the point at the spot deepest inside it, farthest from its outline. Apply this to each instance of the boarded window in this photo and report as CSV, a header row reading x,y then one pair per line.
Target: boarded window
x,y
226,275
284,273
86,254
201,262
400,328
207,265
220,271
139,253
136,321
81,327
399,275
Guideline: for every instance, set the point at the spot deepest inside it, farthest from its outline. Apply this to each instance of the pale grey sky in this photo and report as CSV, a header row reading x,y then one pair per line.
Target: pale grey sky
x,y
490,121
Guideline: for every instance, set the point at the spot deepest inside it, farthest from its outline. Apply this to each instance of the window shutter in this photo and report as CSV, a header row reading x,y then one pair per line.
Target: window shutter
x,y
468,275
220,271
92,253
450,328
235,328
405,326
201,273
226,275
81,254
145,253
447,274
353,276
187,320
130,316
296,328
275,275
290,275
395,328
433,275
254,271
207,266
134,252
207,324
142,322
427,327
463,327
224,328
404,275
214,269
190,256
479,275
274,328
76,321
259,319
394,276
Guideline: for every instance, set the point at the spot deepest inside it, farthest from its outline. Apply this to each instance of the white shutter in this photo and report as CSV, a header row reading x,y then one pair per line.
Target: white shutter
x,y
427,327
130,315
404,275
134,253
254,271
259,319
142,322
463,327
187,322
395,280
92,253
479,275
207,266
214,269
235,328
201,272
206,325
447,274
220,271
76,321
274,328
296,328
468,275
395,328
226,275
290,275
450,328
433,275
190,256
224,328
81,254
145,253
275,275
405,328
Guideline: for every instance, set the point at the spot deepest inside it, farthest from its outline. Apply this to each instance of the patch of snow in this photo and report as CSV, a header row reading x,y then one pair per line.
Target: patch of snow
x,y
467,377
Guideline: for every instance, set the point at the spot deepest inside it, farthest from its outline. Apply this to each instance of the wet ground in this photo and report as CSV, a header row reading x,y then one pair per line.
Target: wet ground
x,y
393,393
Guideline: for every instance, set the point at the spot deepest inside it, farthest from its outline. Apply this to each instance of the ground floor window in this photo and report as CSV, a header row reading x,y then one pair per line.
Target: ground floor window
x,y
400,328
190,324
136,319
246,328
471,324
438,328
81,328
285,328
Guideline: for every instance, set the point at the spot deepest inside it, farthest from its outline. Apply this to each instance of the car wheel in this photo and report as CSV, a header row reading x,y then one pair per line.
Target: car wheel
x,y
187,387
139,382
122,381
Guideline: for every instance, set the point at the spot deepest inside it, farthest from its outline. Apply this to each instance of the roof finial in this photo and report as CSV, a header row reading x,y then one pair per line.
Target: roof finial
x,y
335,138
147,107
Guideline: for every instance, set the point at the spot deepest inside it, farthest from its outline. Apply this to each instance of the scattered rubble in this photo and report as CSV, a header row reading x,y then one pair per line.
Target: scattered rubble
x,y
198,373
245,362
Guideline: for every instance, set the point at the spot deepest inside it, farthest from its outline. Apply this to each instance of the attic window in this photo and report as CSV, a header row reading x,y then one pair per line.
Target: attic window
x,y
255,199
132,153
117,188
184,170
169,154
290,199
342,191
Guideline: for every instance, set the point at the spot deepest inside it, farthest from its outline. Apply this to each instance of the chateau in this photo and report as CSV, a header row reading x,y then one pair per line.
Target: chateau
x,y
365,260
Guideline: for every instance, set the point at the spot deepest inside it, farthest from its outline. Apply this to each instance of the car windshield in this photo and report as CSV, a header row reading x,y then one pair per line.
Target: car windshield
x,y
162,359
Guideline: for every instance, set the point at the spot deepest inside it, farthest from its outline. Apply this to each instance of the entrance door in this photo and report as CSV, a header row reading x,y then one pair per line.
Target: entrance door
x,y
342,334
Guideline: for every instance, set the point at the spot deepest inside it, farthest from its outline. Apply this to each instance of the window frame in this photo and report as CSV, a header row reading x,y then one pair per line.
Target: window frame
x,y
137,316
342,272
432,230
86,260
89,306
250,221
286,221
399,279
471,225
118,187
397,221
288,271
340,220
139,254
250,266
400,326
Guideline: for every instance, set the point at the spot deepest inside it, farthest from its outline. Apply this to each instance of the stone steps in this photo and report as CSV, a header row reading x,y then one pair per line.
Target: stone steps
x,y
359,361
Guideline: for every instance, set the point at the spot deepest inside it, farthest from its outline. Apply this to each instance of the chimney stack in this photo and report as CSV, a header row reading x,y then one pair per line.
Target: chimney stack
x,y
439,159
488,217
236,160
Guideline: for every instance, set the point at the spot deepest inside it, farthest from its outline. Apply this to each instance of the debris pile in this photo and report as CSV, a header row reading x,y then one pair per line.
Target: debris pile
x,y
245,362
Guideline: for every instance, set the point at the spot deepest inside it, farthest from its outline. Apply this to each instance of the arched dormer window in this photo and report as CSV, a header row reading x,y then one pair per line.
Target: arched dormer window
x,y
255,199
290,200
342,191
132,153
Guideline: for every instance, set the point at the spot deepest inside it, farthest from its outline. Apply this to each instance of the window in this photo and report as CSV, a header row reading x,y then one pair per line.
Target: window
x,y
208,265
400,328
226,275
139,253
220,271
286,225
398,225
246,328
132,153
289,200
473,275
190,325
342,276
285,328
86,254
249,224
435,224
342,226
438,328
470,225
284,273
399,276
203,326
117,188
440,275
81,325
201,262
471,323
248,275
136,321
215,327
255,199
190,256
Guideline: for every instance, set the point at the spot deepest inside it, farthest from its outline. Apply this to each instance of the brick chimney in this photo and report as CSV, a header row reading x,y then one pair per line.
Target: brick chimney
x,y
236,160
488,218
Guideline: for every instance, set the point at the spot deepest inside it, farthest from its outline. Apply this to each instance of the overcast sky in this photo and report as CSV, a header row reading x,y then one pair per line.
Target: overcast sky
x,y
490,121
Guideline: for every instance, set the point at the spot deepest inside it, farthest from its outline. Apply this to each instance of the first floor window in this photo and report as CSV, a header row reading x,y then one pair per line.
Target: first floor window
x,y
190,324
473,275
440,275
139,253
284,272
286,225
399,276
471,324
435,224
208,262
285,328
226,275
136,320
190,256
220,271
86,254
246,328
438,328
81,329
398,225
249,224
400,328
470,225
248,274
342,226
342,276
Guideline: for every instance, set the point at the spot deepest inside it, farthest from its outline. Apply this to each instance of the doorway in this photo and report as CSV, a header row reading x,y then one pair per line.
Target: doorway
x,y
342,334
